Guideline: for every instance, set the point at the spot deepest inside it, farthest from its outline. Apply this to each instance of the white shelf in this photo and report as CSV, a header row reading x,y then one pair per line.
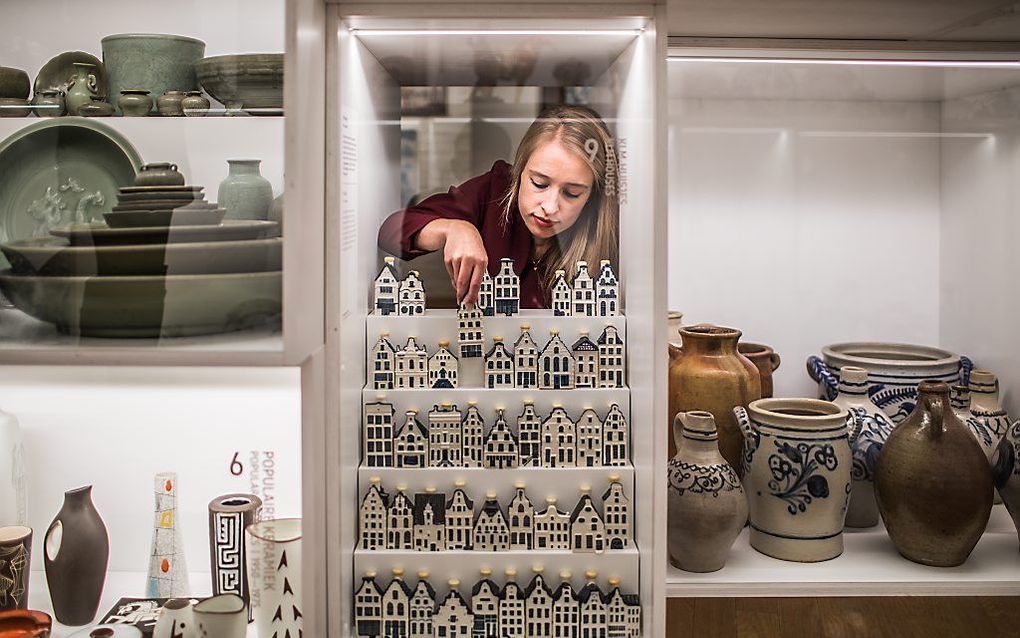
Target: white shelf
x,y
561,483
118,585
465,565
25,340
512,399
869,566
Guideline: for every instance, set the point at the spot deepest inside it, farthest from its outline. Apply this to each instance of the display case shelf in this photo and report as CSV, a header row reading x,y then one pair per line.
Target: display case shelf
x,y
488,399
869,566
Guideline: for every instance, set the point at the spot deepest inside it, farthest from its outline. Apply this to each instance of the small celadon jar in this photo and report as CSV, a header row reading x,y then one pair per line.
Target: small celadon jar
x,y
195,104
135,103
96,108
49,103
169,104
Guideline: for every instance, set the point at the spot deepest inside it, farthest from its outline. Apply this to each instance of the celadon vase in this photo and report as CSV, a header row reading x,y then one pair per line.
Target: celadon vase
x,y
245,194
707,504
13,498
82,88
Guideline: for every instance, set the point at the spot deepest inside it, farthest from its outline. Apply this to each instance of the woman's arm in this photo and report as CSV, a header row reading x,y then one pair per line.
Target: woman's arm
x,y
463,253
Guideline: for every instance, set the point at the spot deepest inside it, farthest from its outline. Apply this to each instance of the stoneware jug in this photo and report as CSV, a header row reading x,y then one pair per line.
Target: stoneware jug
x,y
76,551
874,428
709,374
797,476
933,483
707,505
765,359
986,418
245,194
13,494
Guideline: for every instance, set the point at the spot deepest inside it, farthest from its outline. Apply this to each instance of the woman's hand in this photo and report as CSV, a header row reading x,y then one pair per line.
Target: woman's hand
x,y
463,253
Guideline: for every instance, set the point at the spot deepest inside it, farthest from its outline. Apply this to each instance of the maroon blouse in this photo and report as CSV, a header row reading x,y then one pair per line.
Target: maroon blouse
x,y
479,201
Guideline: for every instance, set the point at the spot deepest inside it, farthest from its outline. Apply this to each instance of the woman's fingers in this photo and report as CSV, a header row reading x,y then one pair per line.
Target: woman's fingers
x,y
463,281
476,282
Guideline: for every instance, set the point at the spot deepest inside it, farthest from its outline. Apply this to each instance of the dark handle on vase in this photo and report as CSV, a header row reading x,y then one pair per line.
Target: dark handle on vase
x,y
820,372
966,366
774,360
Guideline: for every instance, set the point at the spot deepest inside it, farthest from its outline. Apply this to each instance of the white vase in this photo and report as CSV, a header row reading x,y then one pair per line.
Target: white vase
x,y
168,570
13,504
222,616
176,620
274,576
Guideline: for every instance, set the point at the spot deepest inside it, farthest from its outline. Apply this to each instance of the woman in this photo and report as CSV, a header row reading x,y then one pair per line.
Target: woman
x,y
552,208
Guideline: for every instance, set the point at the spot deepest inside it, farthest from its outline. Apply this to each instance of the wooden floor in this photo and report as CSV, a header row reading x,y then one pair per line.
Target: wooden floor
x,y
908,617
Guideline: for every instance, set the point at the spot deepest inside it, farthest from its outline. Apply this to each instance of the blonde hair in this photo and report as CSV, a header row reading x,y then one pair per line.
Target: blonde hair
x,y
595,234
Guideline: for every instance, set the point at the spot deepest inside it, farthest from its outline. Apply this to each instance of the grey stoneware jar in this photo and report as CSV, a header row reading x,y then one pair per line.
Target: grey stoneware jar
x,y
797,459
49,103
195,104
159,174
874,427
76,550
245,194
135,103
707,504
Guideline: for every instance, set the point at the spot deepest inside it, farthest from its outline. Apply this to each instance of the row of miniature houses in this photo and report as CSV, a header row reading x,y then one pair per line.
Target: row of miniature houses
x,y
536,611
429,522
584,296
458,439
585,364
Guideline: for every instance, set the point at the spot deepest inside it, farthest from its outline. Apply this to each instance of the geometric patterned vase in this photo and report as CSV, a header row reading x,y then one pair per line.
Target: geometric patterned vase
x,y
168,571
229,516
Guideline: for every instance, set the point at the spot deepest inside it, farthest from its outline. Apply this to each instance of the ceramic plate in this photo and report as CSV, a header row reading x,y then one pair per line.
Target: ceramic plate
x,y
153,195
150,189
170,306
59,70
53,256
230,230
116,631
176,217
160,204
61,171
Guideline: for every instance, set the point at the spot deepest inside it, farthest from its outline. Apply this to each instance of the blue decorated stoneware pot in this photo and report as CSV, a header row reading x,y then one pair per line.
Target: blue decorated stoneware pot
x,y
797,462
894,371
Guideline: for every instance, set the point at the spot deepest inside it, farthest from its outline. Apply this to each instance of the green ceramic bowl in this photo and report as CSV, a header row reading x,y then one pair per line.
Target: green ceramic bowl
x,y
250,81
154,62
137,307
175,217
13,83
59,171
55,257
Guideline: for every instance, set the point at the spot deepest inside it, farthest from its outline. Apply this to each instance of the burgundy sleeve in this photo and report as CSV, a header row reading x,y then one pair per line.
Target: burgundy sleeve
x,y
466,202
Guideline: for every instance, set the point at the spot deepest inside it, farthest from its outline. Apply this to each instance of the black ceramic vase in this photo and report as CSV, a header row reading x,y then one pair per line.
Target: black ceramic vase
x,y
229,516
76,551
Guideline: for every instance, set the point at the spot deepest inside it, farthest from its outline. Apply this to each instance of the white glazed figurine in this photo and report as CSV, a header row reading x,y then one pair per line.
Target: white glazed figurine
x,y
507,287
411,295
499,366
526,360
412,366
383,363
470,331
377,433
587,529
583,292
607,291
368,608
562,295
443,367
387,283
487,295
616,512
556,365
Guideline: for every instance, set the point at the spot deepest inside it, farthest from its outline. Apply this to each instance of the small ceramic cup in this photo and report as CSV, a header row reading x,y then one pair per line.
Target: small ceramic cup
x,y
169,104
15,561
135,103
109,631
223,616
175,620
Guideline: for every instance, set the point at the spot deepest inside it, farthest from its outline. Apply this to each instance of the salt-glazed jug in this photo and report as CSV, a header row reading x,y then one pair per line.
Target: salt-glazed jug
x,y
797,462
933,483
874,428
707,504
1006,472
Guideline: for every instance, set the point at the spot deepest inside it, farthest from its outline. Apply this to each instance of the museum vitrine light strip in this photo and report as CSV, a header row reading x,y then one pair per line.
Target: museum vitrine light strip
x,y
585,32
944,64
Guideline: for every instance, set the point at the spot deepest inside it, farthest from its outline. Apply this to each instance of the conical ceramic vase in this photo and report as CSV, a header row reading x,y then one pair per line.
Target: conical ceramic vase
x,y
76,552
168,570
797,477
13,499
707,505
274,575
709,374
933,483
874,428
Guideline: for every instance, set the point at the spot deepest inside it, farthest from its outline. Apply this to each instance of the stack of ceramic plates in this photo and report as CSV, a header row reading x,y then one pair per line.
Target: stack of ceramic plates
x,y
148,206
149,281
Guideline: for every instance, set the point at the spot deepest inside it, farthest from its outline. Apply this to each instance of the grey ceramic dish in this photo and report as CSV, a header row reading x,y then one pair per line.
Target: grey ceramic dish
x,y
100,234
138,307
250,81
175,217
190,196
60,69
54,257
161,204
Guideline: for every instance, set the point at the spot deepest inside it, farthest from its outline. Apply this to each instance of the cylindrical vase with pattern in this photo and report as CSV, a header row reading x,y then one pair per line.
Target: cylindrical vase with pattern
x,y
229,516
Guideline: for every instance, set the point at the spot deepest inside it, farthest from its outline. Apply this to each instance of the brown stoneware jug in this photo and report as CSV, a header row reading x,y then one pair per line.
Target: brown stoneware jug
x,y
933,483
708,373
765,359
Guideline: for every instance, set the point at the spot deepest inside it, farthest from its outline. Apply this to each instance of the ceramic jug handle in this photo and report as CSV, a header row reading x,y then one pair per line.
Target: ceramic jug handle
x,y
678,429
934,408
51,545
854,425
966,365
820,372
775,360
744,421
